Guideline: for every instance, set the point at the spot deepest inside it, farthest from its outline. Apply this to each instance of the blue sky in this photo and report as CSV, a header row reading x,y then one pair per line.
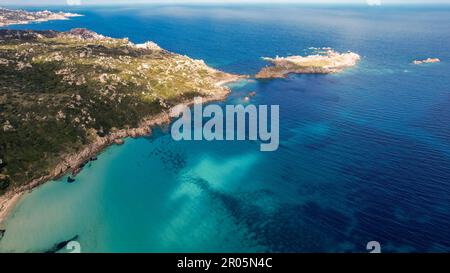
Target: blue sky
x,y
105,2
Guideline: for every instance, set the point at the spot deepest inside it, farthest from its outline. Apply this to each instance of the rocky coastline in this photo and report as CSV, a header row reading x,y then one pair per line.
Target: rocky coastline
x,y
72,162
21,17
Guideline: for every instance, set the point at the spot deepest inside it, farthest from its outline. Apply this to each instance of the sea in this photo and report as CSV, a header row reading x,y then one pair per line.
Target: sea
x,y
364,155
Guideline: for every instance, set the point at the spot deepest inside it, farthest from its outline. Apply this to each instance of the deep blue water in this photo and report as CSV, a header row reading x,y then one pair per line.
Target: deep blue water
x,y
364,155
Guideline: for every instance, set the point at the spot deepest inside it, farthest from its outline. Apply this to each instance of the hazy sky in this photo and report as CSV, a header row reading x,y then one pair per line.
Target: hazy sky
x,y
103,2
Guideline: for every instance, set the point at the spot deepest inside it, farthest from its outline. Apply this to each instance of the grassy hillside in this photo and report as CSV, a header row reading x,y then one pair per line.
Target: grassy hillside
x,y
59,91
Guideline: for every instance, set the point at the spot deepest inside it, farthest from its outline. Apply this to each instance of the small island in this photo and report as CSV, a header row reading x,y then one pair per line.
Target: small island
x,y
324,62
428,60
20,17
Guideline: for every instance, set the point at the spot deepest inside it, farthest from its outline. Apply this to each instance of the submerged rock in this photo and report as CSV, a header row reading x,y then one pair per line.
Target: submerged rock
x,y
59,246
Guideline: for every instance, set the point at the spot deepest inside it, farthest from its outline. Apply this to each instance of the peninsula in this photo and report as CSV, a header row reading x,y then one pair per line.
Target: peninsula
x,y
64,96
325,62
20,17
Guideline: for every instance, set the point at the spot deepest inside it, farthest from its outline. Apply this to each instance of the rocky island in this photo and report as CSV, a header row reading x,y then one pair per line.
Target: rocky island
x,y
325,62
64,96
19,17
428,60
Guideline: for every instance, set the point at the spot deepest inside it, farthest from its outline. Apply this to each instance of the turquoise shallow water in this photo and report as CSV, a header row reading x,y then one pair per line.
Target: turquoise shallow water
x,y
364,155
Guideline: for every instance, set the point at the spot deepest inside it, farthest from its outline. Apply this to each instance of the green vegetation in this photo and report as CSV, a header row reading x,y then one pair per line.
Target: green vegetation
x,y
59,91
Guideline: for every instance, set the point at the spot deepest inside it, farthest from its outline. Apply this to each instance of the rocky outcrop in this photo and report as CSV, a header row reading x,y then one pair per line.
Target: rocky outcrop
x,y
85,34
325,63
429,60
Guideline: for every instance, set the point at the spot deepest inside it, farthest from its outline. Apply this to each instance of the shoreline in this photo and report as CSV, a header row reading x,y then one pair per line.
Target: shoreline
x,y
73,161
56,17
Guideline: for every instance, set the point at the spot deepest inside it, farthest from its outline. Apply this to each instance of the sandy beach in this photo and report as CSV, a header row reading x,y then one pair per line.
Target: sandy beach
x,y
7,203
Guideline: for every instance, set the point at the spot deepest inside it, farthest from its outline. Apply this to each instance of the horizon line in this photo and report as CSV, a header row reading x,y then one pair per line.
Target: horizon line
x,y
226,3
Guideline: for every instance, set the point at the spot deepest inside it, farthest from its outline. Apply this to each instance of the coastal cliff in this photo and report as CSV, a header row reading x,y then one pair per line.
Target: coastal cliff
x,y
324,63
65,96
